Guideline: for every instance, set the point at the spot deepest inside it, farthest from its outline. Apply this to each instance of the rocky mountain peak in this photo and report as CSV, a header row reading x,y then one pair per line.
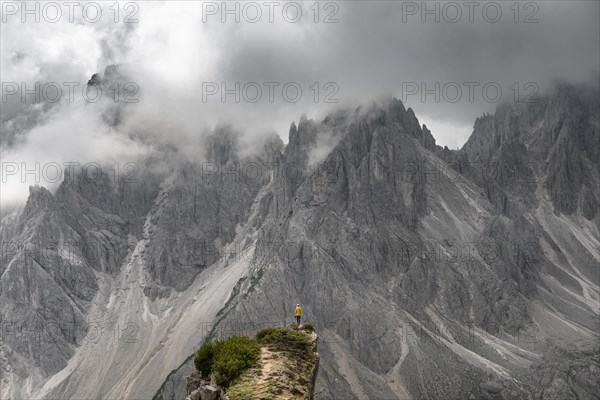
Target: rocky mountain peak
x,y
40,200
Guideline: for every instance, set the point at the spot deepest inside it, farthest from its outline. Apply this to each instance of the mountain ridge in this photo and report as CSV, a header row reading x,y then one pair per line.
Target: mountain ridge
x,y
370,238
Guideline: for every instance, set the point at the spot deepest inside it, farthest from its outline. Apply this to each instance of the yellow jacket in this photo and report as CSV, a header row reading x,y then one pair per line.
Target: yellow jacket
x,y
298,311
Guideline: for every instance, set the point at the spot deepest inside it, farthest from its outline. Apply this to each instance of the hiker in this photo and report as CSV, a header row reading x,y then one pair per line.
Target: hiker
x,y
298,313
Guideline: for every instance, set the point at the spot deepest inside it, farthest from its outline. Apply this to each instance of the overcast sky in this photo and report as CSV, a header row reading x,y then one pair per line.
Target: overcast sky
x,y
181,53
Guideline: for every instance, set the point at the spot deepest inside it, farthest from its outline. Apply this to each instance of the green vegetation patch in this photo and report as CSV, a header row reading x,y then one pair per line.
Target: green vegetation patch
x,y
227,358
205,357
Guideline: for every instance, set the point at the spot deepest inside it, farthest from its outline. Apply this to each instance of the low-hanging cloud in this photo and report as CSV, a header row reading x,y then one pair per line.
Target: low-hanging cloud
x,y
193,70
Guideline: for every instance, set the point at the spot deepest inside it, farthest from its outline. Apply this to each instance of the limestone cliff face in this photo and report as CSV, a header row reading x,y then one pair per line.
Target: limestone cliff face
x,y
552,141
50,257
428,272
201,207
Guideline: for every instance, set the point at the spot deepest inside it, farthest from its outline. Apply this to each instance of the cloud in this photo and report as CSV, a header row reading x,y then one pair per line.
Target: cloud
x,y
179,51
71,138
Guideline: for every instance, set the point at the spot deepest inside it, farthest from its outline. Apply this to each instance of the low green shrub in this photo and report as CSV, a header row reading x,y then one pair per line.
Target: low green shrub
x,y
228,358
235,355
205,357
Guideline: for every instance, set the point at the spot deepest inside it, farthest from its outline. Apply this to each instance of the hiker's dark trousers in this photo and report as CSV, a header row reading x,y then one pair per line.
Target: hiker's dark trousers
x,y
298,319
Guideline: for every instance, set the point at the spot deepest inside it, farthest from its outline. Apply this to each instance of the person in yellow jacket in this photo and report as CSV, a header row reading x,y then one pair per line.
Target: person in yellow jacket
x,y
298,313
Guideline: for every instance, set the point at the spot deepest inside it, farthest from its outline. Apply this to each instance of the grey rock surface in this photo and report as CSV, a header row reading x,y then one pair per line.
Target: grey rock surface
x,y
428,272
